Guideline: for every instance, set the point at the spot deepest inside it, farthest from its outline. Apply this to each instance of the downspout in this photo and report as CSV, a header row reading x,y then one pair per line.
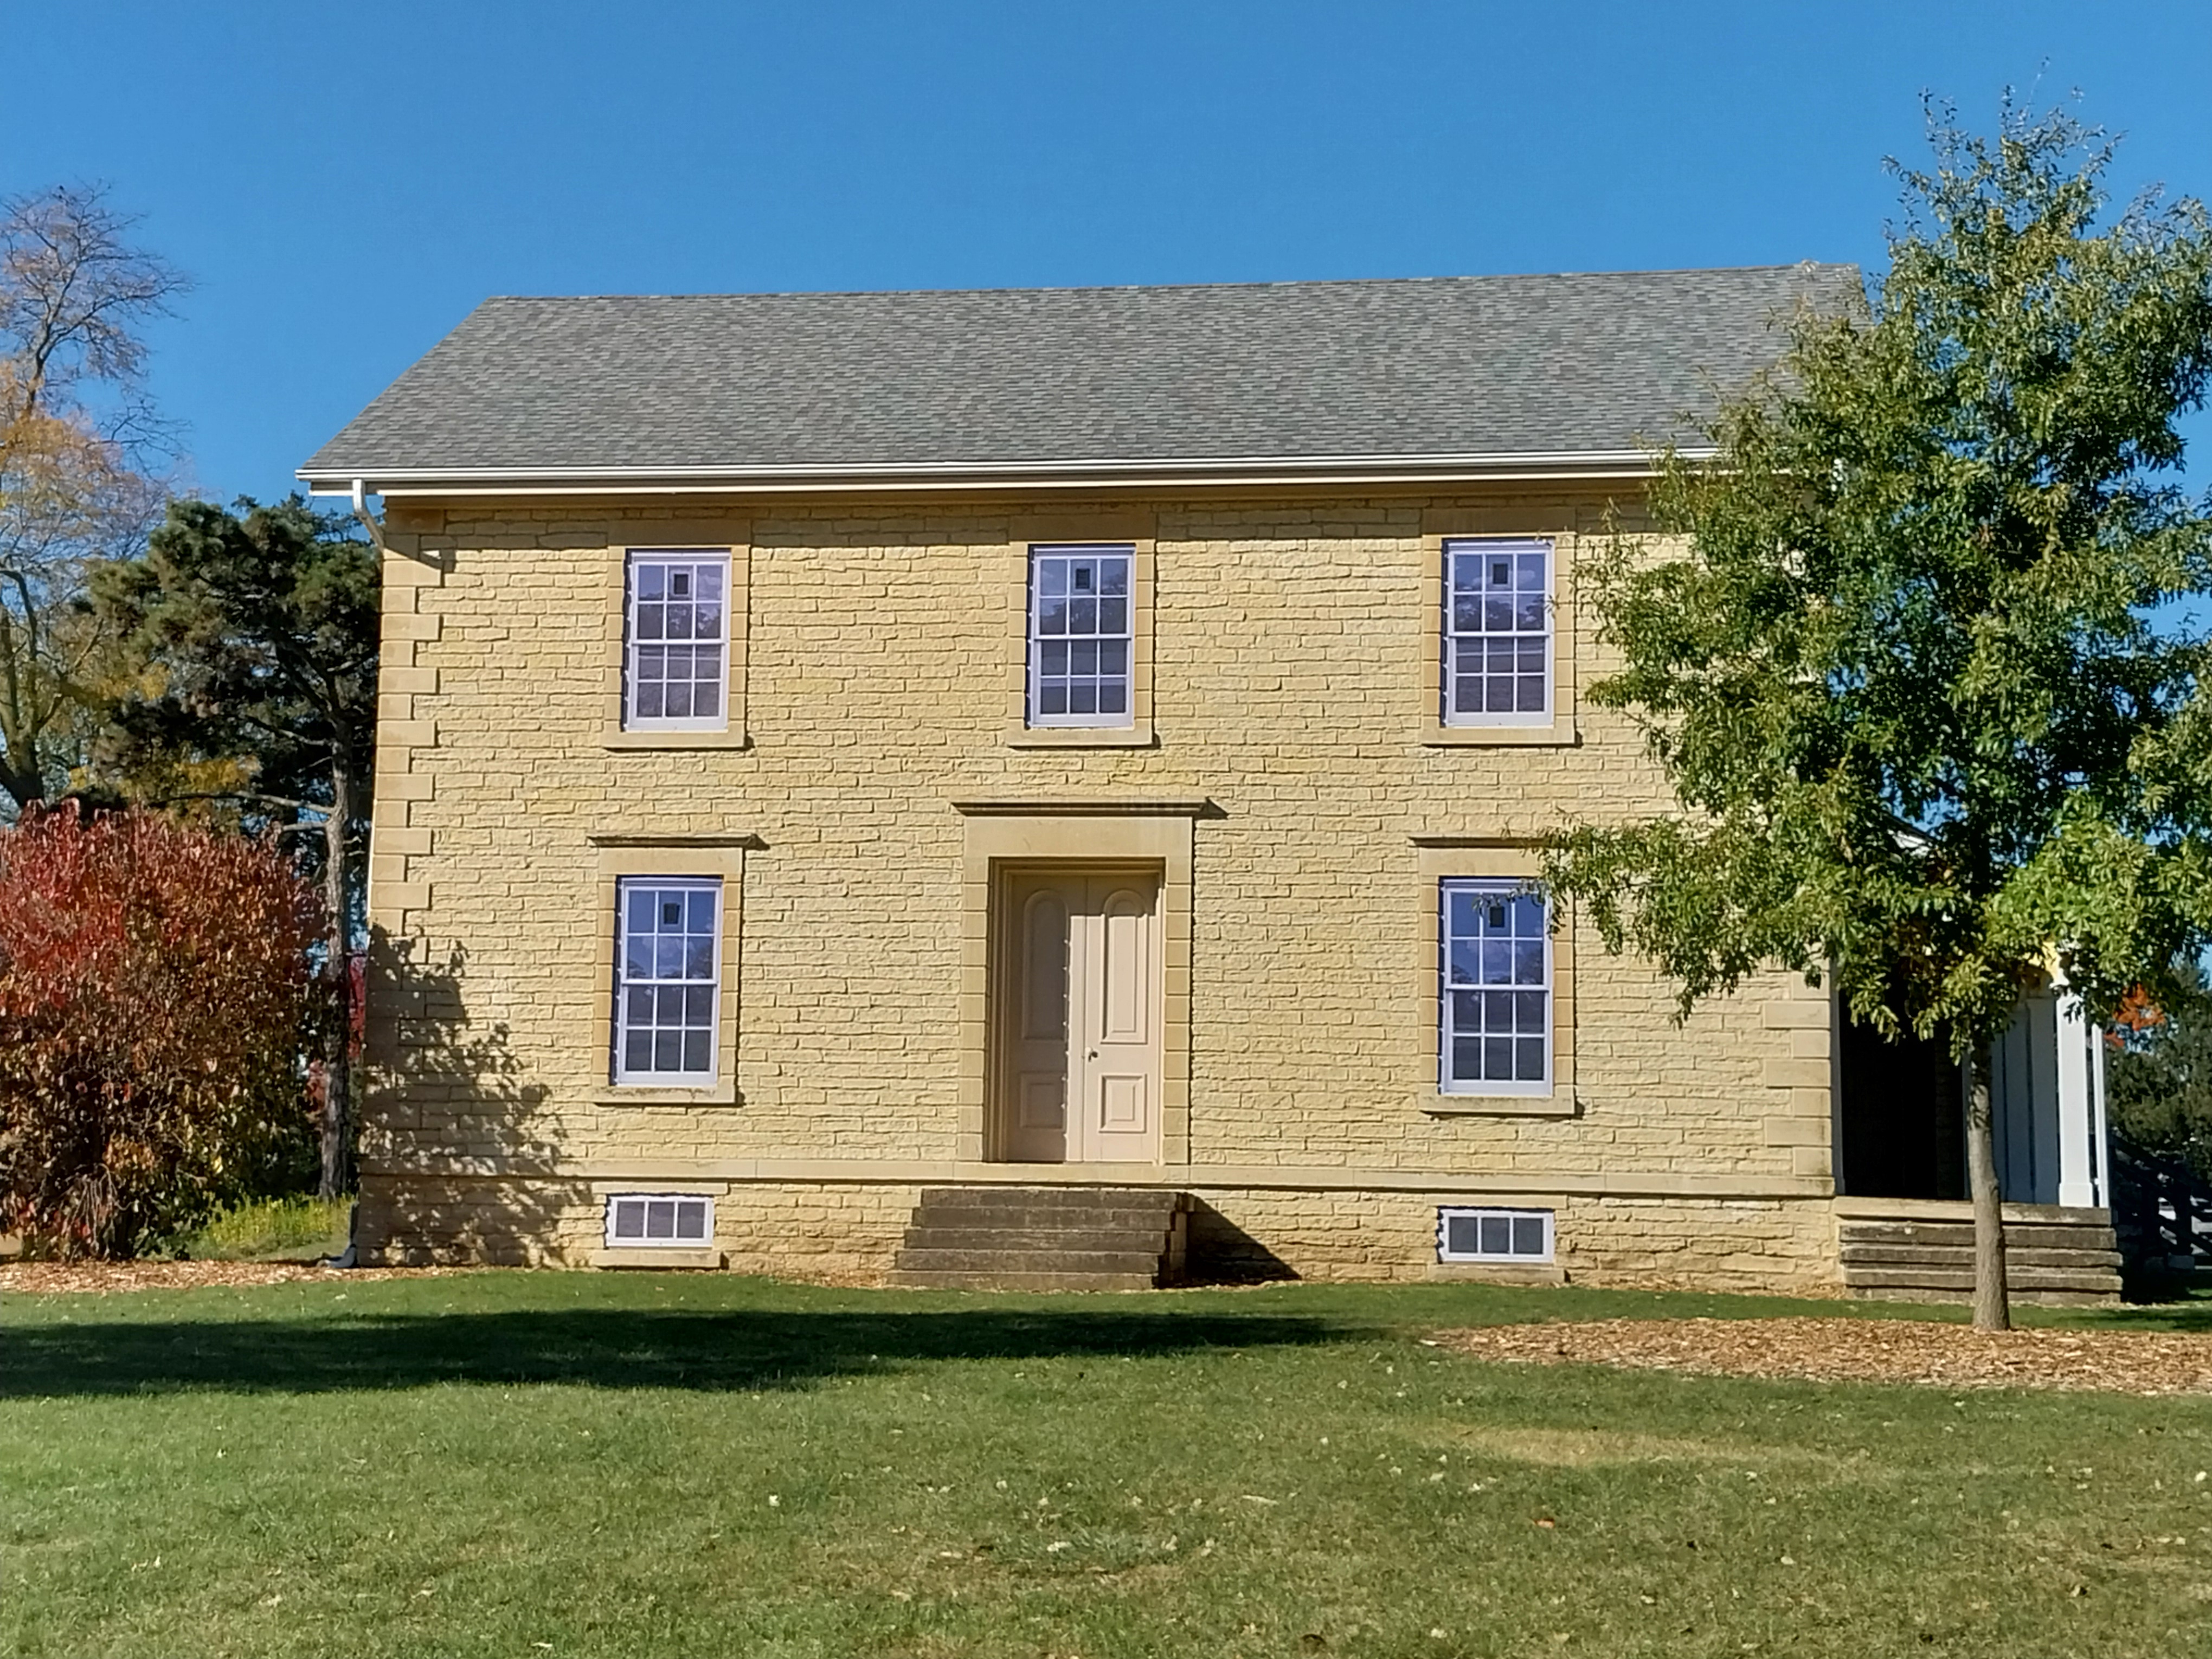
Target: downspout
x,y
360,511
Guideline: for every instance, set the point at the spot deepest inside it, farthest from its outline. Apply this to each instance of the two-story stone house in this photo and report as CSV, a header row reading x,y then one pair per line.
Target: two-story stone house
x,y
1077,752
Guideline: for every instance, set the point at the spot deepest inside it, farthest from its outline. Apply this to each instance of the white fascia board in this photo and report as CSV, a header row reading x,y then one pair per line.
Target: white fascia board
x,y
946,476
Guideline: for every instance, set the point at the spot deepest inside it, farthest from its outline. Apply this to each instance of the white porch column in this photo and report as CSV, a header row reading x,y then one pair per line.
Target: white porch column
x,y
2082,1158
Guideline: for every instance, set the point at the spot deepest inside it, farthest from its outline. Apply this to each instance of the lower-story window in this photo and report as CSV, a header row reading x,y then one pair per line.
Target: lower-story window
x,y
1494,971
672,1221
668,970
1493,1234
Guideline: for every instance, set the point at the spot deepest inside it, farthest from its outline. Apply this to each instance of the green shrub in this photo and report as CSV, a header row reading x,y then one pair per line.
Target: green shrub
x,y
271,1229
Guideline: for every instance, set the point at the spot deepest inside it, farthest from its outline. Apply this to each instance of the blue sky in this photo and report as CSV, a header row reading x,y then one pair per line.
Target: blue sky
x,y
343,182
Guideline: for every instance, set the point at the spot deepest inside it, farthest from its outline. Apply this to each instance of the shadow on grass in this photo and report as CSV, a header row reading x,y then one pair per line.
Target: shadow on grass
x,y
591,1347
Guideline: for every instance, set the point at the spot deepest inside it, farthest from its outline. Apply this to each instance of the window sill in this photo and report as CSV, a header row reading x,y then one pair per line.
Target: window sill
x,y
720,1094
658,1256
1560,1105
1082,737
1559,734
615,737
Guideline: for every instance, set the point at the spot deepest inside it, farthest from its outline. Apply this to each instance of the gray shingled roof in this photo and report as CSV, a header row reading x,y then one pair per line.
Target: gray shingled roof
x,y
1456,366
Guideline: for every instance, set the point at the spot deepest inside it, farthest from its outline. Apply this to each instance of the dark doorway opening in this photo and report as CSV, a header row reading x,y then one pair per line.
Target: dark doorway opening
x,y
1903,1120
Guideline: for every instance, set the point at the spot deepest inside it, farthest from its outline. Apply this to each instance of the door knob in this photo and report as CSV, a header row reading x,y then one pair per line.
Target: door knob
x,y
1094,1054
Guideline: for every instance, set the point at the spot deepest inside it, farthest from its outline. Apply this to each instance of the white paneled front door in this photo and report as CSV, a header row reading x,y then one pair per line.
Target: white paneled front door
x,y
1079,1015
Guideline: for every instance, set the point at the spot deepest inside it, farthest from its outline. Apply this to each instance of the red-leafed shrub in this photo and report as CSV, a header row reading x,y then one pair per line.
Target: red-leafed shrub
x,y
155,997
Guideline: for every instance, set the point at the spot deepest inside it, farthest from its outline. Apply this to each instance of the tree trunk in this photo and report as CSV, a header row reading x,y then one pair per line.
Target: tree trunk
x,y
1992,1303
337,1046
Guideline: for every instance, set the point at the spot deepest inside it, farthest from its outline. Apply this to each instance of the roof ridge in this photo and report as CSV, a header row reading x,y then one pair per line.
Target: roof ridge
x,y
1188,287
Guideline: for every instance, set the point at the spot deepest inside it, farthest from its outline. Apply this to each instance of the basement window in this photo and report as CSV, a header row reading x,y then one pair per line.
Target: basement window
x,y
675,1221
1493,1234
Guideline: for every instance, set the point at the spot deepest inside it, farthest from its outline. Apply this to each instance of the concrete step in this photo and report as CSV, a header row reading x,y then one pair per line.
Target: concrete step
x,y
1865,1278
926,1235
941,1279
1953,1256
1143,1262
2026,1299
1042,1217
1056,1198
1955,1233
1043,1239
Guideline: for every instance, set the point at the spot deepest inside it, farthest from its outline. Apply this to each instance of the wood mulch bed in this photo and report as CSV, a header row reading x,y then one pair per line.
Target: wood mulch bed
x,y
1862,1351
103,1278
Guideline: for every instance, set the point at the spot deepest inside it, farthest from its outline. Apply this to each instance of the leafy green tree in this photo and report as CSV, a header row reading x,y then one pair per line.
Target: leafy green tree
x,y
1899,665
252,643
2159,1080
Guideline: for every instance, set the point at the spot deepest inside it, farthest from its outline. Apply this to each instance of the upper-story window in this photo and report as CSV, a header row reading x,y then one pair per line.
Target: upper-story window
x,y
676,642
1497,632
1081,636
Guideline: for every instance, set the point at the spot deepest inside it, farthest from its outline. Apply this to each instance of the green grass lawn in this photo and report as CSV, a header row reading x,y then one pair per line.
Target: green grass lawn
x,y
519,1464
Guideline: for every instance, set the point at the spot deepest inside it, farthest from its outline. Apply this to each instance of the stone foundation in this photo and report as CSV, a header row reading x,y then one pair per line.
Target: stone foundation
x,y
847,1232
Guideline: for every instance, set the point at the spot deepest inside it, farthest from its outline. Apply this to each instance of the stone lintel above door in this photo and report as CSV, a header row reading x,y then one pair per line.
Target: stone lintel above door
x,y
1099,832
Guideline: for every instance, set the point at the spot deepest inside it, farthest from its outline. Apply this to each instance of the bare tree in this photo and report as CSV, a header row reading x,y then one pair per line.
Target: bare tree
x,y
77,436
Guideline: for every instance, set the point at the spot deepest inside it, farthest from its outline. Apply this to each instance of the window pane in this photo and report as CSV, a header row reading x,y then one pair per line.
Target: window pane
x,y
695,1057
1114,576
1111,699
667,1050
1527,1235
1496,1235
1462,1235
1497,1060
677,699
691,1221
629,1218
652,581
660,1218
637,1051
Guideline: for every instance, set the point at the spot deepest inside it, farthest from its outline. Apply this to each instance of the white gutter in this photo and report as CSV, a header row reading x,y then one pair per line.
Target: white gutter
x,y
1157,473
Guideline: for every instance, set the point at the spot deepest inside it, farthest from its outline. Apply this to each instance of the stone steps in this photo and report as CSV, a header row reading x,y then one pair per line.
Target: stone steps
x,y
2066,1257
1043,1239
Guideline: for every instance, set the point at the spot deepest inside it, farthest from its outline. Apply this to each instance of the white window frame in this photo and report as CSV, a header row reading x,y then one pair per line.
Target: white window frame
x,y
1033,714
623,1075
1508,890
677,1203
1455,640
638,558
1446,1214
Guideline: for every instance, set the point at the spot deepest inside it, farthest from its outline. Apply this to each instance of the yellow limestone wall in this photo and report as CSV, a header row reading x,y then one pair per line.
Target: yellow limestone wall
x,y
1292,649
